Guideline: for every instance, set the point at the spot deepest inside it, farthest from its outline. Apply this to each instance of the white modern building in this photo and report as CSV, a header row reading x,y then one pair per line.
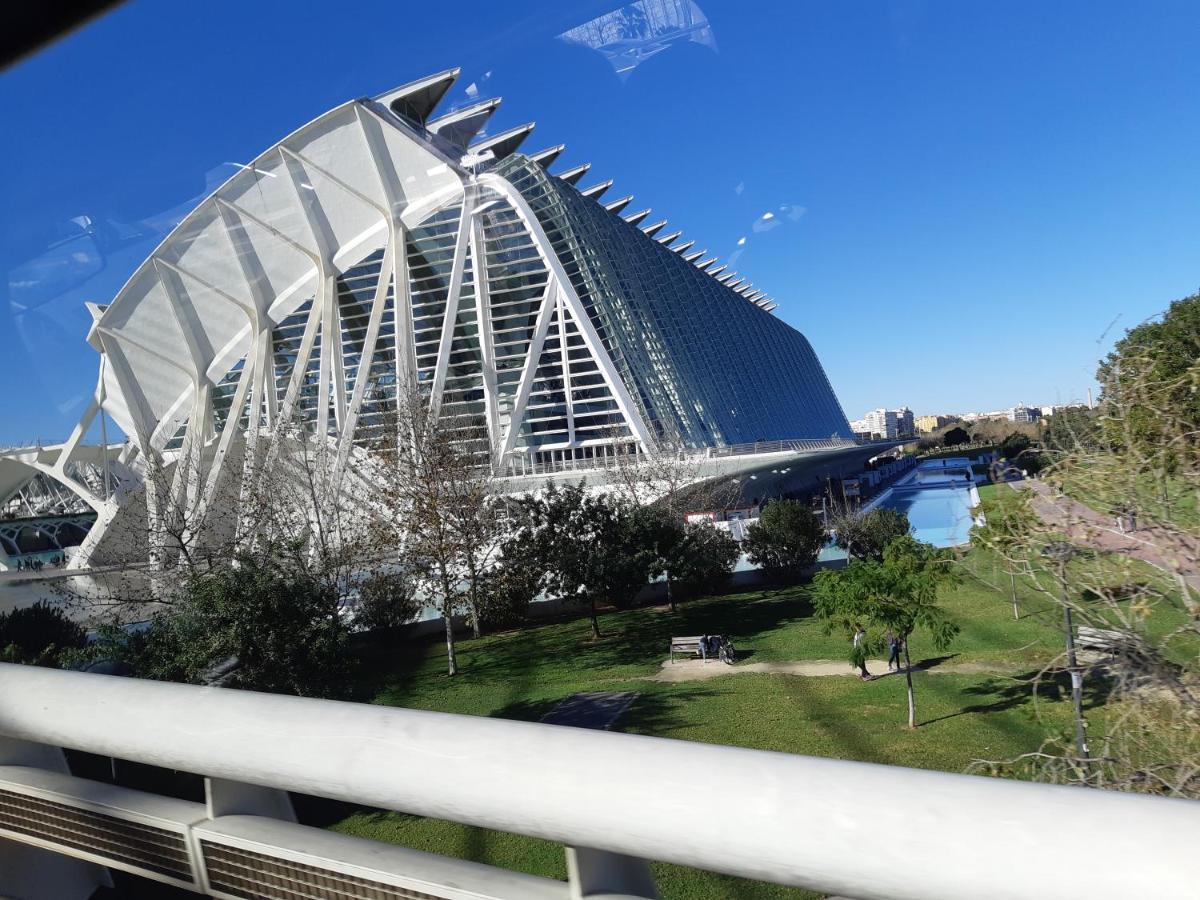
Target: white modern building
x,y
382,251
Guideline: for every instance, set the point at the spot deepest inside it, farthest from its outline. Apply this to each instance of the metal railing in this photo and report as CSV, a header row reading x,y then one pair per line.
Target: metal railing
x,y
528,467
794,446
855,829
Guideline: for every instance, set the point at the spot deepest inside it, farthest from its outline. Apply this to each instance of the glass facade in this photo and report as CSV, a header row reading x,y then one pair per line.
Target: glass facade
x,y
705,366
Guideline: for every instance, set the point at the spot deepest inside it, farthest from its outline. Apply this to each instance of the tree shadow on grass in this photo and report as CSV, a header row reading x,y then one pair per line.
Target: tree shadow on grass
x,y
387,658
1004,694
639,637
649,713
643,637
921,665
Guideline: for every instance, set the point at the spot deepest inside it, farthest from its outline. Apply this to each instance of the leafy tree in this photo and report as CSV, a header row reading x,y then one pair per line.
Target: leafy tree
x,y
38,634
956,436
690,557
282,627
386,600
898,594
1069,430
705,558
1153,371
866,535
663,538
507,588
786,539
1019,449
590,546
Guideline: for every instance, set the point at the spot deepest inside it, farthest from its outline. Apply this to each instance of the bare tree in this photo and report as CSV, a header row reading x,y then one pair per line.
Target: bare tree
x,y
435,496
1122,488
192,517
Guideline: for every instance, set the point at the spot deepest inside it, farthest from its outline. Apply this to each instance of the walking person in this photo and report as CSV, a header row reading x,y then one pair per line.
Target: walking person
x,y
893,644
861,652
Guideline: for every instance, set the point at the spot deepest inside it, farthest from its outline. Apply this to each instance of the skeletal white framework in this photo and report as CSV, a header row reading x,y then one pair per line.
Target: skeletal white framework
x,y
364,255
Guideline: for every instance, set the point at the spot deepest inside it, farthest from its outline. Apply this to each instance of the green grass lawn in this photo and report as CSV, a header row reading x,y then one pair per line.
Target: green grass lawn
x,y
1158,609
1104,485
979,706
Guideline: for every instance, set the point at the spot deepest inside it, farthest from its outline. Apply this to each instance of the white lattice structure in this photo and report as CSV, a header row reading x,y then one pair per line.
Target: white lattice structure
x,y
375,252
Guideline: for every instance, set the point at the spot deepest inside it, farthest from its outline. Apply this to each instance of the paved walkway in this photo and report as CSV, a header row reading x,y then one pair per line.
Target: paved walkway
x,y
699,670
599,710
1172,552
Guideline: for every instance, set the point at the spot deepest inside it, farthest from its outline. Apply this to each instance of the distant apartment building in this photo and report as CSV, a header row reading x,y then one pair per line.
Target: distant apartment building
x,y
881,423
1054,410
886,424
927,424
1024,414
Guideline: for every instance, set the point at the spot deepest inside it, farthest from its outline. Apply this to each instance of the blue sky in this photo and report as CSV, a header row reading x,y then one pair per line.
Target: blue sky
x,y
970,200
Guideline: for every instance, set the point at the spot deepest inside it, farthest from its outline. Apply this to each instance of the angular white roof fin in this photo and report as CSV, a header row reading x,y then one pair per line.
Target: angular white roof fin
x,y
504,143
634,218
417,100
545,157
692,257
683,247
617,205
724,279
572,176
461,126
668,238
733,284
718,270
597,189
654,229
772,305
705,263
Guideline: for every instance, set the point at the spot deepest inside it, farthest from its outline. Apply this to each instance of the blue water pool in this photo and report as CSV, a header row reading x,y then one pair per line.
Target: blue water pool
x,y
940,514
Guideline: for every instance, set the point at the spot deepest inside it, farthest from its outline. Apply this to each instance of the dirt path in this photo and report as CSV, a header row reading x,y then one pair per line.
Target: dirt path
x,y
699,670
1084,525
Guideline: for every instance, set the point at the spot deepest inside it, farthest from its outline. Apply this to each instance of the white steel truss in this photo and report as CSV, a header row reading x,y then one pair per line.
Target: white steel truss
x,y
361,258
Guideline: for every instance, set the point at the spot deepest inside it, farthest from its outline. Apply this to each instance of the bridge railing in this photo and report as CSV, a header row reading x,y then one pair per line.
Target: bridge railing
x,y
854,829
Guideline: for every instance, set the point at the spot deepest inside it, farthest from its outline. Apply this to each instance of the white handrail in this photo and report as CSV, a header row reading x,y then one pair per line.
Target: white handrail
x,y
862,830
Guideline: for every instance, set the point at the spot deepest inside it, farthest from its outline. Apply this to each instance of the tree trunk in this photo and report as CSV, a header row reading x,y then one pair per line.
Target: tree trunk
x,y
448,618
1016,608
473,595
1081,741
595,620
912,703
450,657
670,593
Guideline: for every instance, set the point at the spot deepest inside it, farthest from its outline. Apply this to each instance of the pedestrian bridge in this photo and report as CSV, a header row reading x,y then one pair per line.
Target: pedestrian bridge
x,y
614,801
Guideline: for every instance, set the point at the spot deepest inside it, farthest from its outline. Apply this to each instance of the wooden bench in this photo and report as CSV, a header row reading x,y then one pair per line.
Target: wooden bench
x,y
1102,639
688,645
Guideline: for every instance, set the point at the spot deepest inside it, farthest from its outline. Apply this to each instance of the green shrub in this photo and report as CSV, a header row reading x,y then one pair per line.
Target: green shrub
x,y
39,634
